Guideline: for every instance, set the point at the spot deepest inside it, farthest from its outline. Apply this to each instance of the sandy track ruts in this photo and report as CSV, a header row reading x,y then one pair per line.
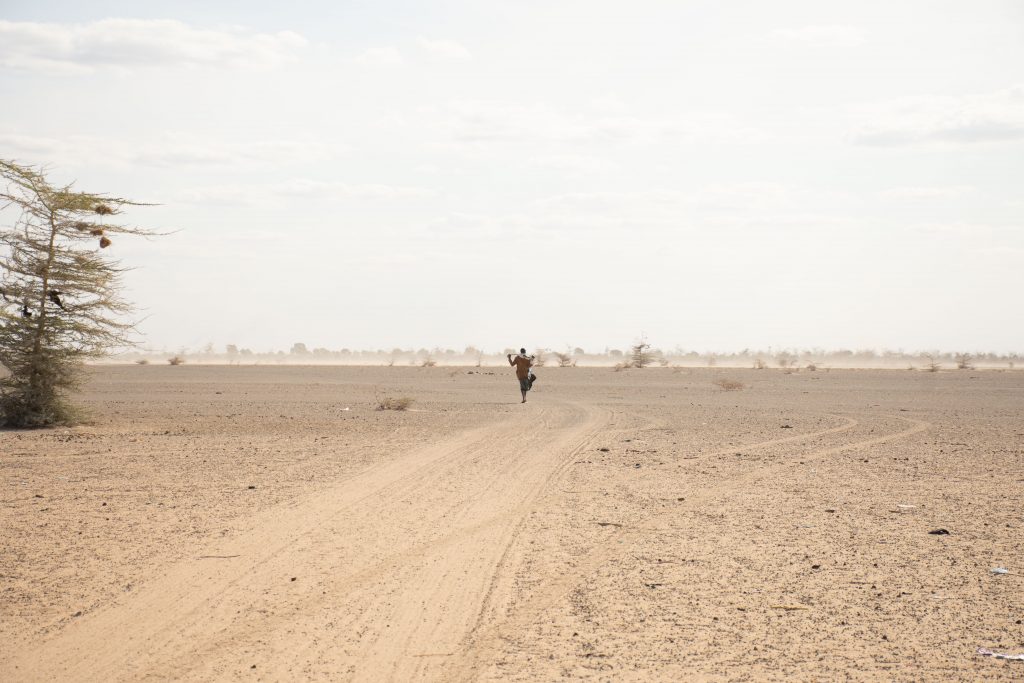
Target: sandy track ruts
x,y
381,577
486,641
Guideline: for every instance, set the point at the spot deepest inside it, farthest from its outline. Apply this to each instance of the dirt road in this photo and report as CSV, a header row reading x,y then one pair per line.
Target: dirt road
x,y
389,572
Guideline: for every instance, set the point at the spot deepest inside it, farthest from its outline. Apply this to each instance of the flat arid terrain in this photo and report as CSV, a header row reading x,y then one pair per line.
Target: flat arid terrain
x,y
269,524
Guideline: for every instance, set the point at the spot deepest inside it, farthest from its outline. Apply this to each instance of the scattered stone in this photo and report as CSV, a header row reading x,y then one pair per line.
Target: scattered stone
x,y
603,449
786,427
939,532
77,614
251,488
294,578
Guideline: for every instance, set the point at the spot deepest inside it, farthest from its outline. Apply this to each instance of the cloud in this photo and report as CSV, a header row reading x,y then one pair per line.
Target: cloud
x,y
964,120
170,150
707,198
444,49
380,56
475,122
926,193
286,192
821,36
572,163
128,44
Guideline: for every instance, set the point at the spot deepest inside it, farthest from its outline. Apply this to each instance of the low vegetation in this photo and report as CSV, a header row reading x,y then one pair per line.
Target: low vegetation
x,y
392,403
729,385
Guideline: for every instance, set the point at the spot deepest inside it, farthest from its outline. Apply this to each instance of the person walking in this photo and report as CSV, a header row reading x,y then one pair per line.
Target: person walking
x,y
522,364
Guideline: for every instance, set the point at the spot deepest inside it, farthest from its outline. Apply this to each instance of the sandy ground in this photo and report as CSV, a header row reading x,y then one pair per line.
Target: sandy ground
x,y
260,523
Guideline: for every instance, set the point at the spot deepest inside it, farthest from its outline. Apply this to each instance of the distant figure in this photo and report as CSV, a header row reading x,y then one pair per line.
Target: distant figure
x,y
522,364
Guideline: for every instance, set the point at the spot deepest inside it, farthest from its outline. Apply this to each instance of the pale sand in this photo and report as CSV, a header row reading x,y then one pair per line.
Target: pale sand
x,y
641,525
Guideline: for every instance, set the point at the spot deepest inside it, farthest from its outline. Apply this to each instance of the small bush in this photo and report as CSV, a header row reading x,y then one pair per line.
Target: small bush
x,y
963,361
428,362
641,353
142,361
759,364
624,365
176,360
729,385
391,403
564,359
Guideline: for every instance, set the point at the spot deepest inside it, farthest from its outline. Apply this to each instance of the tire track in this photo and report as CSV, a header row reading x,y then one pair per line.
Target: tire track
x,y
485,640
392,561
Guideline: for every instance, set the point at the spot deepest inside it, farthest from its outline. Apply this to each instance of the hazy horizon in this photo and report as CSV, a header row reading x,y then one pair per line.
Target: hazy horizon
x,y
715,175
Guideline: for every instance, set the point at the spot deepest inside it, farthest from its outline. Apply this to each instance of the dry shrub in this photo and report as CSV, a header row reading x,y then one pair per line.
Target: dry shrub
x,y
142,361
812,366
729,385
564,359
641,354
392,403
963,361
624,365
176,360
428,362
759,364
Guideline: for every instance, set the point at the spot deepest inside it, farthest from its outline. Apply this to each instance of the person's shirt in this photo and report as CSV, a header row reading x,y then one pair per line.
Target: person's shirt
x,y
522,365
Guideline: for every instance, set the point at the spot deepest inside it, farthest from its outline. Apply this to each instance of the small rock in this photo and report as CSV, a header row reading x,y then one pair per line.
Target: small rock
x,y
603,449
77,614
815,566
251,488
786,427
294,578
939,532
829,510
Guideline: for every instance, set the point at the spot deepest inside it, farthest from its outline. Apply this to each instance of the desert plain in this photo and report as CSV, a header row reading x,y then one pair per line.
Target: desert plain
x,y
260,523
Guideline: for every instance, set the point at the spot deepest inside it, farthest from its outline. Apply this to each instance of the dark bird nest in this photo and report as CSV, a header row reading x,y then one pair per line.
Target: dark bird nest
x,y
103,209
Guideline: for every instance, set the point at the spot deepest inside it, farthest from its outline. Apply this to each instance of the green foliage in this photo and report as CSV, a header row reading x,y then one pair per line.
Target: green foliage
x,y
60,302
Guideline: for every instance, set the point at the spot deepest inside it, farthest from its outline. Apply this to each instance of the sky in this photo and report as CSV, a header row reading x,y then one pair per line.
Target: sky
x,y
714,175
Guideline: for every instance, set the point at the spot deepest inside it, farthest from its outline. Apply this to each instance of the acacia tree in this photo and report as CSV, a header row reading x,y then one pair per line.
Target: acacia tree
x,y
641,354
60,300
